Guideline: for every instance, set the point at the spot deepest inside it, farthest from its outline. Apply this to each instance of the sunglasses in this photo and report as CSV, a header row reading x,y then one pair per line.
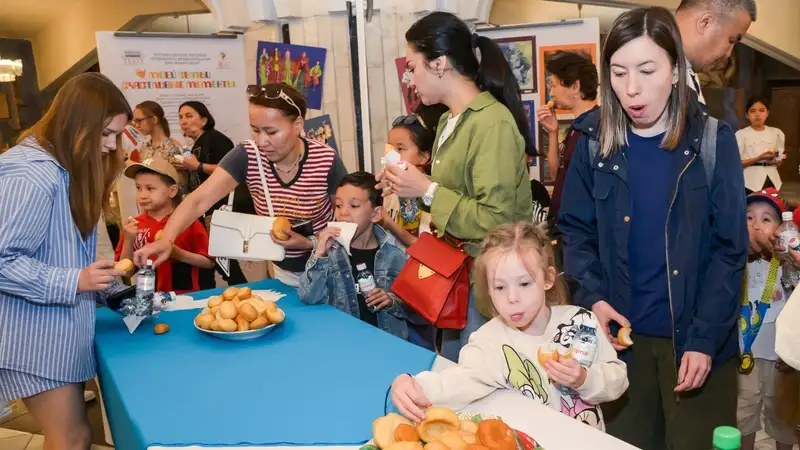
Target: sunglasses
x,y
408,120
261,91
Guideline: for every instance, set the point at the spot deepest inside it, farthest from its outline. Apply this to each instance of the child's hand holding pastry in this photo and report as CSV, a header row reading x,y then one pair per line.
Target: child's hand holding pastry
x,y
130,227
409,399
325,241
566,372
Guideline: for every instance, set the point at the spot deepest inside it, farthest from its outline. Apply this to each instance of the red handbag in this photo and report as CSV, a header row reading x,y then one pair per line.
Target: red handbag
x,y
435,281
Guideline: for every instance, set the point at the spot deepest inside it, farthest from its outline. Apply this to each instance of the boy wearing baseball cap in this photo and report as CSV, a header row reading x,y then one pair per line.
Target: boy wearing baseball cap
x,y
763,298
157,195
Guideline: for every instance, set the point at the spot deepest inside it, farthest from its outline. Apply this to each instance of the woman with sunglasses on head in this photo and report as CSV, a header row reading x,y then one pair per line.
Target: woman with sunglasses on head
x,y
210,146
479,173
655,233
301,176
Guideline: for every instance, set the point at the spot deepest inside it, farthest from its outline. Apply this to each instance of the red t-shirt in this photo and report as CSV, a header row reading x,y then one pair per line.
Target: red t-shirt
x,y
172,275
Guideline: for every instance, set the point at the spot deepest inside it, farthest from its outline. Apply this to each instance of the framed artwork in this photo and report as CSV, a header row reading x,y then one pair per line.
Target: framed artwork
x,y
547,52
410,98
320,129
545,177
530,111
299,66
520,52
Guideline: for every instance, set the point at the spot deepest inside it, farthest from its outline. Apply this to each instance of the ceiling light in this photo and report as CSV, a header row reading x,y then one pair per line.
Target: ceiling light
x,y
10,70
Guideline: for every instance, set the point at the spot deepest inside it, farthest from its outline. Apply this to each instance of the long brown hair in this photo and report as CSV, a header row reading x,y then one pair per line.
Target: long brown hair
x,y
530,243
153,109
659,25
72,131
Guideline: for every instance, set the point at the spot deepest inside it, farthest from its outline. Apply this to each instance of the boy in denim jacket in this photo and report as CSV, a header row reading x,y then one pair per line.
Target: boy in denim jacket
x,y
330,275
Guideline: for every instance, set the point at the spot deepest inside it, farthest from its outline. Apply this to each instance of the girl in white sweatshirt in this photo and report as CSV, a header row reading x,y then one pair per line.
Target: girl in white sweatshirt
x,y
516,270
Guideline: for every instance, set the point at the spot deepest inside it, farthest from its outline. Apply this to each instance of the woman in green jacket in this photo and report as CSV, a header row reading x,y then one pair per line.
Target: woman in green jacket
x,y
479,172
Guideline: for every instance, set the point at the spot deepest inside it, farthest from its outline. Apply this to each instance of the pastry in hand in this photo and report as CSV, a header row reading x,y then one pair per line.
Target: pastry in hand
x,y
280,226
124,265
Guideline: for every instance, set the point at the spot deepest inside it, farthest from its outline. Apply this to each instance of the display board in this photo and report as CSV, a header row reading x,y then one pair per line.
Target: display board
x,y
526,47
173,70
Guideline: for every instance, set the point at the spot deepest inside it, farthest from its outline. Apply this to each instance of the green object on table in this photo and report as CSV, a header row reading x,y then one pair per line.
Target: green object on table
x,y
727,438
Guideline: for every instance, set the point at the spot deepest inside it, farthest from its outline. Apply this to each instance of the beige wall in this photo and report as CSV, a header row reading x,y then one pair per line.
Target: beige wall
x,y
778,23
65,41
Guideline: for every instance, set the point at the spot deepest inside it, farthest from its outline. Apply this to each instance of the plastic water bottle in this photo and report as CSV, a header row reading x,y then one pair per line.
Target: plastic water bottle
x,y
146,280
366,282
789,239
727,438
584,344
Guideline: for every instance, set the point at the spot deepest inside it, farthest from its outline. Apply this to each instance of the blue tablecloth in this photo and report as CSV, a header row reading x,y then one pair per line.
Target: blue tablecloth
x,y
319,379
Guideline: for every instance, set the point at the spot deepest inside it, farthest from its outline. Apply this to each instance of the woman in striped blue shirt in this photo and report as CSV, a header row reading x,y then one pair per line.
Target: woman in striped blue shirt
x,y
53,185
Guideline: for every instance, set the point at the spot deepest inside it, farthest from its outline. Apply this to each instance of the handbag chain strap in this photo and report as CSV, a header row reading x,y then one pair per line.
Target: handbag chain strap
x,y
263,180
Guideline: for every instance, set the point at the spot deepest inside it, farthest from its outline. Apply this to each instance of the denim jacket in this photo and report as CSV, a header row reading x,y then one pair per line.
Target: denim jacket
x,y
329,280
706,233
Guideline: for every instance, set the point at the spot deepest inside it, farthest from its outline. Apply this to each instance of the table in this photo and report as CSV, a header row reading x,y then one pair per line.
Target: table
x,y
185,389
318,379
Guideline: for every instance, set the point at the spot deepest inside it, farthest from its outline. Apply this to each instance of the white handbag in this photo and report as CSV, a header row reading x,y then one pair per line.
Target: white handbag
x,y
245,237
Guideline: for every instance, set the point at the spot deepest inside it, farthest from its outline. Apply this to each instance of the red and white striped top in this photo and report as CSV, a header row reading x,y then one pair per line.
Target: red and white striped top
x,y
304,198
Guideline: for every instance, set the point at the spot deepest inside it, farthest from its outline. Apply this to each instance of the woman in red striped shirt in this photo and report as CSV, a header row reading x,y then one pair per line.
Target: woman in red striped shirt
x,y
302,177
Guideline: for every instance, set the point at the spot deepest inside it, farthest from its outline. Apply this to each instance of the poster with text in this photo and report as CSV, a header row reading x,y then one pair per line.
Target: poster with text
x,y
410,97
299,66
170,71
320,129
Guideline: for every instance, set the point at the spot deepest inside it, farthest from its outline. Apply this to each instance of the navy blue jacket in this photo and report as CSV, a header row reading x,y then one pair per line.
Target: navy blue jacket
x,y
707,237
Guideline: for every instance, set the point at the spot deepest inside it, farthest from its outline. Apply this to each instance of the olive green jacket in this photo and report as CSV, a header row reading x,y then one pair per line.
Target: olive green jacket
x,y
482,173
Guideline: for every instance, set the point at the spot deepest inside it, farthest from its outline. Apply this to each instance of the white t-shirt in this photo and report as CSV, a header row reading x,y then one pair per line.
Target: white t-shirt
x,y
753,143
500,357
448,129
764,345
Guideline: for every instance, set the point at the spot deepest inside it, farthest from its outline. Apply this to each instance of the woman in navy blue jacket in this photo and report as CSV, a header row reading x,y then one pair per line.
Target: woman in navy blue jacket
x,y
655,234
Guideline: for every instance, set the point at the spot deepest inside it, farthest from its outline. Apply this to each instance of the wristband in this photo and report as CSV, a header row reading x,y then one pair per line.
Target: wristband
x,y
200,167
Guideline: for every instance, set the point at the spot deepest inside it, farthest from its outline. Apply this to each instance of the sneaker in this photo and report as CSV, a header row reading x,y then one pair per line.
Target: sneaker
x,y
89,396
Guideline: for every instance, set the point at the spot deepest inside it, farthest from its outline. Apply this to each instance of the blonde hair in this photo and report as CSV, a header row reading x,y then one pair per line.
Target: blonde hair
x,y
528,241
659,25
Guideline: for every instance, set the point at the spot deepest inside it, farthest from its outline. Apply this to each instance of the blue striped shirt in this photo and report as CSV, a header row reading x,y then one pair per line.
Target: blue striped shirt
x,y
46,327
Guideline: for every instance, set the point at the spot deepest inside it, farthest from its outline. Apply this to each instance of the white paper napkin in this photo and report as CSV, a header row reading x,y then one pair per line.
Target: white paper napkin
x,y
182,302
347,234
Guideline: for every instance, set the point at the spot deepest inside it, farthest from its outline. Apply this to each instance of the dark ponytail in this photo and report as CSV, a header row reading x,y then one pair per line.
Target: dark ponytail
x,y
443,34
151,108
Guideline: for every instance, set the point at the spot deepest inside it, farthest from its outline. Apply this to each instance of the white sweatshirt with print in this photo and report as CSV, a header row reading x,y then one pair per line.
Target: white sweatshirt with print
x,y
501,357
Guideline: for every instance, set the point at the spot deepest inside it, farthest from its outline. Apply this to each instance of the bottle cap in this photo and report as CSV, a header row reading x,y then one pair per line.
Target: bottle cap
x,y
727,438
786,216
361,266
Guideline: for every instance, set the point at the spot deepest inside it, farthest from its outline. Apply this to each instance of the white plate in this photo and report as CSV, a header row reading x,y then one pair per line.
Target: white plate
x,y
239,335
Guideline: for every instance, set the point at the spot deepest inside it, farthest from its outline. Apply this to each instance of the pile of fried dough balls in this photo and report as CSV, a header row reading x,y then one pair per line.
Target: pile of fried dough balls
x,y
238,310
441,430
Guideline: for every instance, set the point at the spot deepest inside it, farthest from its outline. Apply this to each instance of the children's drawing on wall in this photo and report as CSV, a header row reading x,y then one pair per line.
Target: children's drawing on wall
x,y
299,66
320,129
410,97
